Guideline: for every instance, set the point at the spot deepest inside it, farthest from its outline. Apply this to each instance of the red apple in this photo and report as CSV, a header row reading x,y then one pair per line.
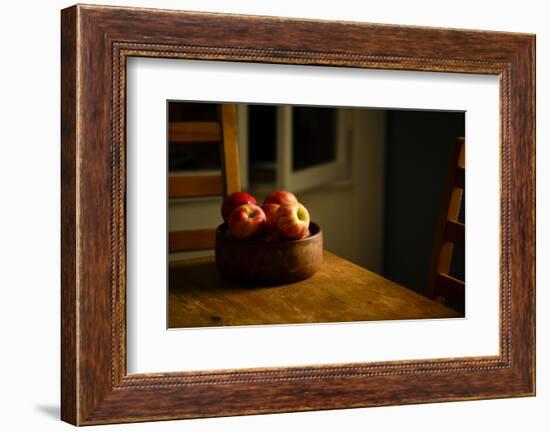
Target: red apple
x,y
280,197
235,200
270,211
246,221
292,221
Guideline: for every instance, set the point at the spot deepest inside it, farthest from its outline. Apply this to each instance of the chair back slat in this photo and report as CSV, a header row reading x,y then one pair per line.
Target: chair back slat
x,y
192,132
195,186
455,232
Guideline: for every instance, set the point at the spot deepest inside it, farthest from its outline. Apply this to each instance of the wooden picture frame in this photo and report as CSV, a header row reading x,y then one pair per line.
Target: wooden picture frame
x,y
95,43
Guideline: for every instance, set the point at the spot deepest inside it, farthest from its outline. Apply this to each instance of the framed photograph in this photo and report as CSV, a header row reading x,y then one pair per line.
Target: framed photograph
x,y
265,215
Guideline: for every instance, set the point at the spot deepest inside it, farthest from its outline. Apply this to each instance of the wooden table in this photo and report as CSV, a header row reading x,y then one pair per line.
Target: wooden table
x,y
340,292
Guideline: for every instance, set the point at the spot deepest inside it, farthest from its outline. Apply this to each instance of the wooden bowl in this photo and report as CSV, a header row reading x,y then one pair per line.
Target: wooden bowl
x,y
268,262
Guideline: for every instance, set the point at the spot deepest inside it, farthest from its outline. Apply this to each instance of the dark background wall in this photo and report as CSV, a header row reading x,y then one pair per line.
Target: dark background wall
x,y
417,158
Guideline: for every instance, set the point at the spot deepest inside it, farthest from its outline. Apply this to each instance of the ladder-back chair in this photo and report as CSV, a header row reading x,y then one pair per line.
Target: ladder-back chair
x,y
443,287
223,131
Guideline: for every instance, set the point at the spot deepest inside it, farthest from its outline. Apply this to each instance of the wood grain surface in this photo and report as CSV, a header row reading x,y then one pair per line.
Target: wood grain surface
x,y
183,186
340,292
193,132
96,42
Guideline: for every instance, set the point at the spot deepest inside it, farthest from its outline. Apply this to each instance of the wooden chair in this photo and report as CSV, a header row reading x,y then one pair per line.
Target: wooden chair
x,y
223,131
443,287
